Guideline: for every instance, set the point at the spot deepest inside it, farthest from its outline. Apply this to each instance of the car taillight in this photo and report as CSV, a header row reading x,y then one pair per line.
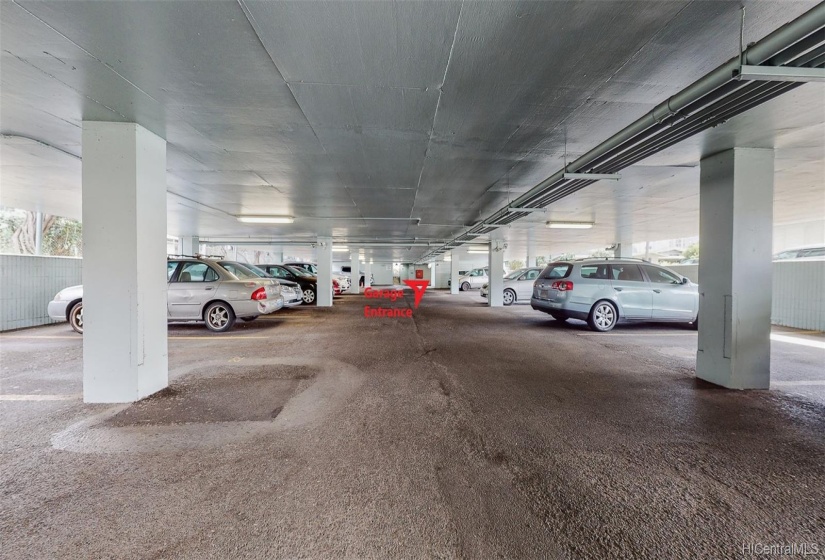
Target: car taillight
x,y
562,285
259,294
335,282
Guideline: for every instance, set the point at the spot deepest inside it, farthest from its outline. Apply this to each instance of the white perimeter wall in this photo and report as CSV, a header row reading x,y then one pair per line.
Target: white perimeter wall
x,y
29,283
798,292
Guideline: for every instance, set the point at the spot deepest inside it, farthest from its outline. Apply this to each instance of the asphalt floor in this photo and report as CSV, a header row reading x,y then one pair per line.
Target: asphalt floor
x,y
464,432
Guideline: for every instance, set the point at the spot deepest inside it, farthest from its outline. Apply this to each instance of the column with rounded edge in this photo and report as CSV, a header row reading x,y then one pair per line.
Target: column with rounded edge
x,y
355,271
323,252
125,356
495,274
735,233
454,264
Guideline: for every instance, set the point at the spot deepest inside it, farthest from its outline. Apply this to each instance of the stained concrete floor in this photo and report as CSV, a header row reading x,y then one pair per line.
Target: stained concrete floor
x,y
466,432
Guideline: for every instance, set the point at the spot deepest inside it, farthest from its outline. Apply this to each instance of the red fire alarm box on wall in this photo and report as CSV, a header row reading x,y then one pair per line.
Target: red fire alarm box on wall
x,y
419,274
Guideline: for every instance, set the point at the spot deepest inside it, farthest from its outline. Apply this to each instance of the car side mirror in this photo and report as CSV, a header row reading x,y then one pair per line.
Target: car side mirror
x,y
685,280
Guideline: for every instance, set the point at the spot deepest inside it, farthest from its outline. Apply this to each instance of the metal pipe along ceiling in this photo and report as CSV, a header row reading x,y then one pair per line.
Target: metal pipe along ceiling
x,y
712,99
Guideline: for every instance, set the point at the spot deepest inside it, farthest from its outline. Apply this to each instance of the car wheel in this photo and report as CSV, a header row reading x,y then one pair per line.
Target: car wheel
x,y
603,316
559,318
76,317
309,296
465,287
219,317
695,324
509,297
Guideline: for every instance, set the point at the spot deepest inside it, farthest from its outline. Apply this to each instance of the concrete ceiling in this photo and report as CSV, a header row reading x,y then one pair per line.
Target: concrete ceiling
x,y
335,112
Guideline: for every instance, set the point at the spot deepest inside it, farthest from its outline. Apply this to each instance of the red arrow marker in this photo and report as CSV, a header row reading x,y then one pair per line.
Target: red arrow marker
x,y
419,287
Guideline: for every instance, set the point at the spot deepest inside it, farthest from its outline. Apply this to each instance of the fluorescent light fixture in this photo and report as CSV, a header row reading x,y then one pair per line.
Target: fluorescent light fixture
x,y
570,225
340,248
780,74
593,176
478,251
262,219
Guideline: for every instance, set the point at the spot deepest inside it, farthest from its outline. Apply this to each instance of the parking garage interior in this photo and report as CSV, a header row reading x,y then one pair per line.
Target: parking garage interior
x,y
396,147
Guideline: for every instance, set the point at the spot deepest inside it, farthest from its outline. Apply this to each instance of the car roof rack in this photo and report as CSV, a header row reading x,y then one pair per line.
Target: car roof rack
x,y
609,259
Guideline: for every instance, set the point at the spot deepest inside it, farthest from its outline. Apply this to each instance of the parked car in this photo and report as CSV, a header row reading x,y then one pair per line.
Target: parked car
x,y
518,285
816,252
312,268
604,292
198,290
290,291
476,278
347,271
307,281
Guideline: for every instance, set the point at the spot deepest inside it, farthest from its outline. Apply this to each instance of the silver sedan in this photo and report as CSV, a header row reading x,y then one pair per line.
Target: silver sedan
x,y
198,290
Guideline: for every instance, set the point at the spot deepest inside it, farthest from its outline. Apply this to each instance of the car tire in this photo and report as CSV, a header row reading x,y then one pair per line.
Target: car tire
x,y
559,318
309,296
509,297
76,317
603,317
219,316
694,325
465,287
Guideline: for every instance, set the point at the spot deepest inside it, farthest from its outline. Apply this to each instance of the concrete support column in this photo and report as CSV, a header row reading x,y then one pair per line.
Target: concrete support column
x,y
454,264
624,249
277,257
367,273
495,296
125,356
355,271
735,229
38,233
323,255
531,261
189,245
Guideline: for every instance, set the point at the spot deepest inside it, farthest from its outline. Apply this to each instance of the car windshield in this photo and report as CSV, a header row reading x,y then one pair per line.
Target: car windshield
x,y
515,274
297,271
241,271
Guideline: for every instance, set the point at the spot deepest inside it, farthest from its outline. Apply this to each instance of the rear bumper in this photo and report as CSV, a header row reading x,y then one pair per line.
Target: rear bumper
x,y
561,309
252,308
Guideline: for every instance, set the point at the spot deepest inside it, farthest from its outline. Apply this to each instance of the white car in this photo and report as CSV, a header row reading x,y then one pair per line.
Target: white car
x,y
343,281
476,278
518,285
198,290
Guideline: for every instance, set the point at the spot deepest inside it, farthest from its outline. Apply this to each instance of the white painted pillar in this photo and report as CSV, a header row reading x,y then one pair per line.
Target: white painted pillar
x,y
189,245
125,356
531,261
624,248
495,295
323,253
735,229
355,271
454,264
38,233
367,273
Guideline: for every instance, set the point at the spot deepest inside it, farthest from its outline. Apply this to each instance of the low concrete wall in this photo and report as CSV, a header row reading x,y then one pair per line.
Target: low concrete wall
x,y
29,283
798,292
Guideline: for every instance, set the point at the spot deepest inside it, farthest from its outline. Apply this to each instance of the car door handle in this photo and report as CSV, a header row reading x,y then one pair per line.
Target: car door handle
x,y
209,288
658,291
618,289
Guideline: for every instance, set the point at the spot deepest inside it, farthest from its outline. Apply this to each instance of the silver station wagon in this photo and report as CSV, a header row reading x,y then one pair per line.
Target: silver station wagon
x,y
198,290
604,292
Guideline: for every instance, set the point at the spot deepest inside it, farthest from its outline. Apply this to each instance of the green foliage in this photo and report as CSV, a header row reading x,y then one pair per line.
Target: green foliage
x,y
515,265
60,236
691,252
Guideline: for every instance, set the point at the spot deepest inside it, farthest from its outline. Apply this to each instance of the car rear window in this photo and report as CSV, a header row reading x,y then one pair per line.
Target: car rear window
x,y
594,271
555,271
